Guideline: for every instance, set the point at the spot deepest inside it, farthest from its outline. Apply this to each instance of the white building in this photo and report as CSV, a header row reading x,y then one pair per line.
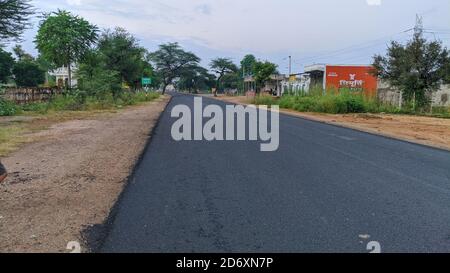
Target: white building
x,y
62,76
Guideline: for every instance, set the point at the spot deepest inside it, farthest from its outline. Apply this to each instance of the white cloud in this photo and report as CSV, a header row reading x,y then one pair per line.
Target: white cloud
x,y
74,2
373,2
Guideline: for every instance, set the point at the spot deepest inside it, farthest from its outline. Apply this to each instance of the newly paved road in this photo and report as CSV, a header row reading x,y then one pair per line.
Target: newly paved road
x,y
324,188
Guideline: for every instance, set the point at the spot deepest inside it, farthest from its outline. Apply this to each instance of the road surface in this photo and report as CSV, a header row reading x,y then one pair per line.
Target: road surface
x,y
327,189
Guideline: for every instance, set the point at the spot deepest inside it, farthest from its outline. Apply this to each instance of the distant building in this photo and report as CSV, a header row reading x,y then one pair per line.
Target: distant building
x,y
62,76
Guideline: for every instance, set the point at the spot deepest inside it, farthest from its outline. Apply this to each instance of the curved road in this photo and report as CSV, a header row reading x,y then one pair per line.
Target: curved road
x,y
327,189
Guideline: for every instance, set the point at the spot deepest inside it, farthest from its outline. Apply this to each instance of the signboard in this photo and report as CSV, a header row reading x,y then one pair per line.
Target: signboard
x,y
146,81
356,78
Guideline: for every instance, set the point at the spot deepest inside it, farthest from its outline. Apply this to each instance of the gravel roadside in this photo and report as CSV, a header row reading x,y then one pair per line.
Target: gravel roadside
x,y
69,178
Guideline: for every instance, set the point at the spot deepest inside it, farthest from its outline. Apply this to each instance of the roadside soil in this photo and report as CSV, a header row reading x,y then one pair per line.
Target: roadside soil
x,y
69,177
428,131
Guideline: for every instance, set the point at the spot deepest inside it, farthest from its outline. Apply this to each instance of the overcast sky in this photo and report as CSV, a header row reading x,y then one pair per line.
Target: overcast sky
x,y
312,31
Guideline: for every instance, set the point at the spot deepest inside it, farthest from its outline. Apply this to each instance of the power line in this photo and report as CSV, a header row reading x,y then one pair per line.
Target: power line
x,y
365,45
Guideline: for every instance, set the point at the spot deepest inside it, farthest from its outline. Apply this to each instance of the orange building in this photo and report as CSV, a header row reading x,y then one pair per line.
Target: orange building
x,y
354,77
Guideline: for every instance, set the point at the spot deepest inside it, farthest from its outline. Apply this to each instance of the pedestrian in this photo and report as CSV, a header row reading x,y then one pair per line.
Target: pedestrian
x,y
3,173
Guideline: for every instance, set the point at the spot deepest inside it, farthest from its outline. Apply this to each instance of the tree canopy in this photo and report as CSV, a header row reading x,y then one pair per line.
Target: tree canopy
x,y
417,68
170,60
14,18
195,78
28,73
263,71
121,52
248,65
6,64
64,39
222,67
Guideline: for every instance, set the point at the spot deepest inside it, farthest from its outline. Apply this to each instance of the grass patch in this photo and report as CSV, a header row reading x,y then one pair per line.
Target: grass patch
x,y
11,137
344,102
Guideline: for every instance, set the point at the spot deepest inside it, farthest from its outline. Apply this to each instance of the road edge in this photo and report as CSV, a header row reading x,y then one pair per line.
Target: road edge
x,y
94,237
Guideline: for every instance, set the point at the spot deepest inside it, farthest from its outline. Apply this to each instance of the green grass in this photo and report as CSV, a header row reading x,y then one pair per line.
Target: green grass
x,y
77,102
344,102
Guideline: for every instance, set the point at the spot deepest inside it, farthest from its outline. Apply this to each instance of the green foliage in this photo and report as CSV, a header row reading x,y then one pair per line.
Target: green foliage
x,y
14,18
121,52
263,71
79,101
27,73
96,79
334,103
8,108
64,39
170,60
195,78
248,65
6,64
417,69
223,67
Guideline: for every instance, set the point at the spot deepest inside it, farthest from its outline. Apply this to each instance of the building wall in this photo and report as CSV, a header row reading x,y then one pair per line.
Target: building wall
x,y
353,77
391,95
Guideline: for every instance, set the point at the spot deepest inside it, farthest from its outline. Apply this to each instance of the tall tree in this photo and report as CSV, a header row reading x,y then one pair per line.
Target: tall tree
x,y
263,71
6,64
170,60
64,39
417,68
222,67
14,18
248,65
121,52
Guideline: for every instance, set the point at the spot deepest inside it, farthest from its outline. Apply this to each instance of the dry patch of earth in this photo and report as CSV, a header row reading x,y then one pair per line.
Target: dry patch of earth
x,y
69,176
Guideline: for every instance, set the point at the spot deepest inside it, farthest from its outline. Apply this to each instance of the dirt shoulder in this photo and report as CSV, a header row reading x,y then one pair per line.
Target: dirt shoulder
x,y
69,177
428,131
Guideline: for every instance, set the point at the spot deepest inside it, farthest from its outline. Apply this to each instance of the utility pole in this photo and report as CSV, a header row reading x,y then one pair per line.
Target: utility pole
x,y
290,66
243,79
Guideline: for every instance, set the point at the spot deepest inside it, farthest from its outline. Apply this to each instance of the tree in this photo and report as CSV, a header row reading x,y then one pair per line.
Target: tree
x,y
263,71
248,65
170,60
121,52
21,54
64,39
6,64
14,18
27,73
222,67
95,79
195,78
417,69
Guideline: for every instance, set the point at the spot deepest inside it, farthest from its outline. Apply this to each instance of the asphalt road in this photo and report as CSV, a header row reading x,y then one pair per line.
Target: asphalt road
x,y
327,189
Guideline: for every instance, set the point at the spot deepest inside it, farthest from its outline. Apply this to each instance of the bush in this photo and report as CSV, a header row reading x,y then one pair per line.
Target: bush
x,y
342,102
265,100
8,108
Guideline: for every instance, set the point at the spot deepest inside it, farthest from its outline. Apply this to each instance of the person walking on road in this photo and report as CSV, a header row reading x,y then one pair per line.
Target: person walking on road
x,y
3,173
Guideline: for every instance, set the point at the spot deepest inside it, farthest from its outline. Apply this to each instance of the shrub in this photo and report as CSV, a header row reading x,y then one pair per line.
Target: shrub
x,y
265,100
8,108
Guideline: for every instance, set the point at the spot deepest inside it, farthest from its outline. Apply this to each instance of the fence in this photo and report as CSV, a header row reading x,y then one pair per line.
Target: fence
x,y
30,95
390,95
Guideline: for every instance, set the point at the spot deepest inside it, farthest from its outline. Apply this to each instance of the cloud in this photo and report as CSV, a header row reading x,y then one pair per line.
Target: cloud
x,y
73,2
203,9
373,2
